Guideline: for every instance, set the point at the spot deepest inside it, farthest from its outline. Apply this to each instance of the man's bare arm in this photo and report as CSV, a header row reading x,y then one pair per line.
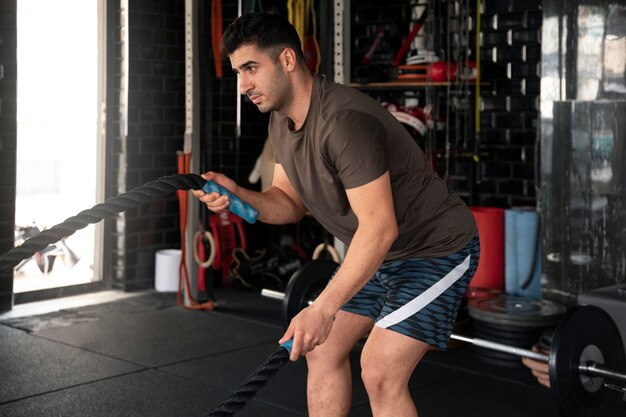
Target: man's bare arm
x,y
279,204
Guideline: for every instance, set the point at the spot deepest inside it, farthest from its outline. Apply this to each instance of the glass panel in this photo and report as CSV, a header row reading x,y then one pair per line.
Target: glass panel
x,y
583,147
57,109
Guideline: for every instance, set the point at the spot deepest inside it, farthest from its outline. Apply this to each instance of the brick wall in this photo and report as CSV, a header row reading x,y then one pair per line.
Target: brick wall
x,y
511,56
8,138
155,134
451,107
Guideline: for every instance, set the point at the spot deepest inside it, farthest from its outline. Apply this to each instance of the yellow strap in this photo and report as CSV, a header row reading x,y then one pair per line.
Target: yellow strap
x,y
300,21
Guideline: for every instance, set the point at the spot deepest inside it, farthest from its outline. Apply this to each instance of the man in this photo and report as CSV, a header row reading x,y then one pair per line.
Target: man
x,y
345,160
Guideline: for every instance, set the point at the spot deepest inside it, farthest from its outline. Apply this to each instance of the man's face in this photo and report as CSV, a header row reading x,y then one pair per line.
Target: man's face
x,y
261,77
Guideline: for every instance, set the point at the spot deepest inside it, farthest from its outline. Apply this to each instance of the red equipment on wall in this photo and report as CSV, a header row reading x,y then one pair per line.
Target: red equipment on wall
x,y
225,227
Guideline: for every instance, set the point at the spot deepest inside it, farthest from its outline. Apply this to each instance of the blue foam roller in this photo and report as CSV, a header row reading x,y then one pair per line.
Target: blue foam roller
x,y
522,253
236,205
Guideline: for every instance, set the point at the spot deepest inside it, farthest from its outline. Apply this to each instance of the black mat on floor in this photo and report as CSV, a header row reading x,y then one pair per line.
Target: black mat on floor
x,y
30,366
474,395
146,356
163,337
147,393
6,331
94,360
249,305
286,389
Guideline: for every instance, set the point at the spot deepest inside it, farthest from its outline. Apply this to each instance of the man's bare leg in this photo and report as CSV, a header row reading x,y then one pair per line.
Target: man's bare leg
x,y
387,362
329,382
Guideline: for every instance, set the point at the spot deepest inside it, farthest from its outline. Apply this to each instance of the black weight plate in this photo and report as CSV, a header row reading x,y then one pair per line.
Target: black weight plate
x,y
504,328
511,341
582,327
516,311
529,333
305,285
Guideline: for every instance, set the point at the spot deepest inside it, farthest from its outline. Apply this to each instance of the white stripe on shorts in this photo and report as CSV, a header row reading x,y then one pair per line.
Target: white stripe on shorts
x,y
426,297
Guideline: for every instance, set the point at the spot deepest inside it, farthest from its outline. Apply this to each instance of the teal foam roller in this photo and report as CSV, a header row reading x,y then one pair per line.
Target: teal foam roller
x,y
236,205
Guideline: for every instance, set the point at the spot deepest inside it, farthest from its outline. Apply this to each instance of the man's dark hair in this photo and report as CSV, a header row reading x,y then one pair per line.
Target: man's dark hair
x,y
265,31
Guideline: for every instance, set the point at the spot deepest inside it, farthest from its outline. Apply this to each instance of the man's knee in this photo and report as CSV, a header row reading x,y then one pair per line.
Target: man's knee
x,y
326,356
376,378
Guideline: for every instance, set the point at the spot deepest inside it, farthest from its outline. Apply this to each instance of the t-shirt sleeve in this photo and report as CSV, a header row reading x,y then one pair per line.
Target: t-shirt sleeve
x,y
272,137
357,148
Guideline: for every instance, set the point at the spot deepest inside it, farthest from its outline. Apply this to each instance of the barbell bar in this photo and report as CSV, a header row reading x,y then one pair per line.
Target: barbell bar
x,y
591,368
585,342
277,295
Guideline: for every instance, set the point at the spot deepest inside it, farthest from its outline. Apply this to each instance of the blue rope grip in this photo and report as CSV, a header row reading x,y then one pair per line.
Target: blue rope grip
x,y
288,345
236,205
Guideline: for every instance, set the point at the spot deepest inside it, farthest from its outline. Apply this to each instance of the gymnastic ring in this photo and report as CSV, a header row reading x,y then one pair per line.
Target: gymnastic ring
x,y
328,248
208,236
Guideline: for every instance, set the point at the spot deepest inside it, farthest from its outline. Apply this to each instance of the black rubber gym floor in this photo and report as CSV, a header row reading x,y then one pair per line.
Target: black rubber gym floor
x,y
146,356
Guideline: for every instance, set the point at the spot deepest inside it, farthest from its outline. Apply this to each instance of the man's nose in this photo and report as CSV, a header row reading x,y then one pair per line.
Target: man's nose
x,y
244,85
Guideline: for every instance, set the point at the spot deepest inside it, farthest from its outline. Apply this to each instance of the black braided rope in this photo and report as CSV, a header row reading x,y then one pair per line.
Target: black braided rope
x,y
134,198
253,383
114,205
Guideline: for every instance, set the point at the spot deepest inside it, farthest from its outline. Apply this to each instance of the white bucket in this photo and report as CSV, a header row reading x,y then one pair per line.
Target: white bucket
x,y
166,270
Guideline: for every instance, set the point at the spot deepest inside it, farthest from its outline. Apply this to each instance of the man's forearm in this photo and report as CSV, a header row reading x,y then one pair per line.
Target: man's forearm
x,y
274,206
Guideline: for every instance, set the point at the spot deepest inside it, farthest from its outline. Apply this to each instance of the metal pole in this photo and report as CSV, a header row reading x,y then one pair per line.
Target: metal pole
x,y
191,142
596,369
487,344
277,295
341,65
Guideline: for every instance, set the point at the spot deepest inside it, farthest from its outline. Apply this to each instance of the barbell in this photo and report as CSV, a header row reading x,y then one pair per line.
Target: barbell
x,y
586,359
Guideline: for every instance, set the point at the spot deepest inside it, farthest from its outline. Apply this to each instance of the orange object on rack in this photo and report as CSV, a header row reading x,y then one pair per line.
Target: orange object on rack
x,y
184,160
216,35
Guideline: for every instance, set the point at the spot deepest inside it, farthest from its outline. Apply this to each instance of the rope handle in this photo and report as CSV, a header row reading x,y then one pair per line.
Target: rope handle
x,y
237,205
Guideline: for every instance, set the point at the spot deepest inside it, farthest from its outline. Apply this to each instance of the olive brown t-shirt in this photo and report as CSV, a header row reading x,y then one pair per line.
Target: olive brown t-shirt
x,y
347,140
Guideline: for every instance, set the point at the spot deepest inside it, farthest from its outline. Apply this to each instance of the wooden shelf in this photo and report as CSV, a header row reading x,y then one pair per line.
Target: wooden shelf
x,y
400,84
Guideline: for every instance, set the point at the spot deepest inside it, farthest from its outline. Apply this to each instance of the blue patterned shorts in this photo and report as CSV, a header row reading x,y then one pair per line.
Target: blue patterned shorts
x,y
418,297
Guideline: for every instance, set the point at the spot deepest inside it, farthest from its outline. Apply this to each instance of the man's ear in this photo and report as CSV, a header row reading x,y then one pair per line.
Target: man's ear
x,y
288,59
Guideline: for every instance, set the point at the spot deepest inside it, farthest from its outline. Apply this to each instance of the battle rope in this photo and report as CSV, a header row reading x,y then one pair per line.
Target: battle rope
x,y
253,383
134,198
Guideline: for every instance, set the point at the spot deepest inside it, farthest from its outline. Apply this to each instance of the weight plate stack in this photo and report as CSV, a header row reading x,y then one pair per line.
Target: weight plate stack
x,y
513,321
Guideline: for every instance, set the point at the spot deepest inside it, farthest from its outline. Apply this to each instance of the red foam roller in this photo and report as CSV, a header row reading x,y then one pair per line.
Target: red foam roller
x,y
490,272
